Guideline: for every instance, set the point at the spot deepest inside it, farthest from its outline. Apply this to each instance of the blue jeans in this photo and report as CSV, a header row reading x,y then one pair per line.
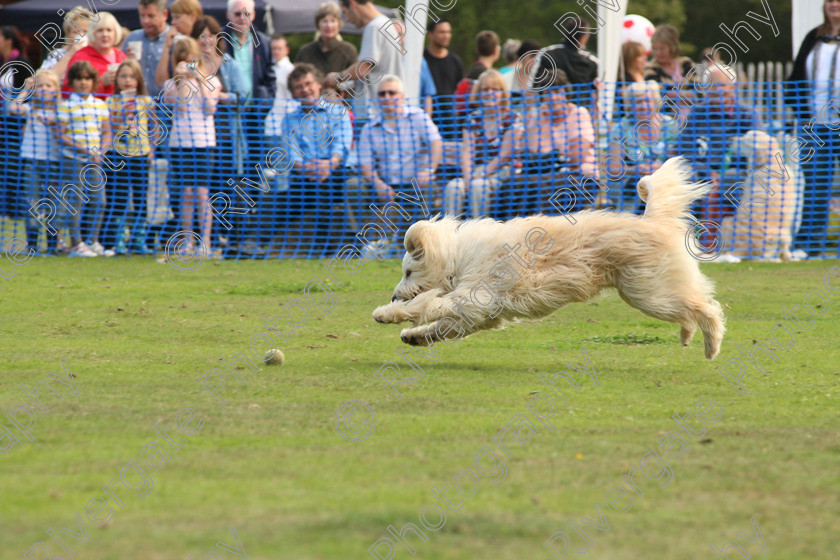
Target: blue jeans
x,y
83,195
131,182
306,195
37,176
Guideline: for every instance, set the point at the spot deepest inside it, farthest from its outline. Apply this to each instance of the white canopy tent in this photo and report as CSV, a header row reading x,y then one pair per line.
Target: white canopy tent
x,y
609,40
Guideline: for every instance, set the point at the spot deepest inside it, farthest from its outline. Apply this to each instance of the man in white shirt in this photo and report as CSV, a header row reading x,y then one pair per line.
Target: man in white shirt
x,y
282,65
284,101
376,47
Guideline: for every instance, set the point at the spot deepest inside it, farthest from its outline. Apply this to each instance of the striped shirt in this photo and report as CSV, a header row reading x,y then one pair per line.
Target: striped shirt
x,y
128,142
84,118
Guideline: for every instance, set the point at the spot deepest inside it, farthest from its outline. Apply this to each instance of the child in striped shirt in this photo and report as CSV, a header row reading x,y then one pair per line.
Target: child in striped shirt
x,y
85,129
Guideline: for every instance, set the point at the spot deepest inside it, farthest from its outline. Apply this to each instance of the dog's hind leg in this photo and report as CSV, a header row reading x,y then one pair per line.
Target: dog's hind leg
x,y
707,315
711,321
670,309
689,311
687,329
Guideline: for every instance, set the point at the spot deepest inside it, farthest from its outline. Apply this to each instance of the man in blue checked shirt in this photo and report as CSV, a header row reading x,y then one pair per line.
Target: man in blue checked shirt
x,y
399,152
152,36
399,146
317,140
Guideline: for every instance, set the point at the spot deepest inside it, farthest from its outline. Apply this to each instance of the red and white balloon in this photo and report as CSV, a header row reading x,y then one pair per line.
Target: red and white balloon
x,y
638,29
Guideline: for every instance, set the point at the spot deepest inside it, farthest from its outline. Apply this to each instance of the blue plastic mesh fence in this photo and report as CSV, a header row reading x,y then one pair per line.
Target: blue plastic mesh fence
x,y
279,179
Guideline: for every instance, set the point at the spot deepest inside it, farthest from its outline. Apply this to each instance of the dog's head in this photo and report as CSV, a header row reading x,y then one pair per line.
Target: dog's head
x,y
757,146
427,263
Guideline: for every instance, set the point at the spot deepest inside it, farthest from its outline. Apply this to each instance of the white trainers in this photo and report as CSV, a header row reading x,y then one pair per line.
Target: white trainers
x,y
382,249
204,251
727,258
374,250
101,251
798,255
81,250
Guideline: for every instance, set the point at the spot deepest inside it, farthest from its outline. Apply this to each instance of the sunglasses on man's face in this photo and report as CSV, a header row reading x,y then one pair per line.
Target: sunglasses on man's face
x,y
389,93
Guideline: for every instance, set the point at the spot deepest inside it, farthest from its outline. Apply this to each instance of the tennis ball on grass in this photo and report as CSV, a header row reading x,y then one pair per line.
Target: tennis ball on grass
x,y
274,357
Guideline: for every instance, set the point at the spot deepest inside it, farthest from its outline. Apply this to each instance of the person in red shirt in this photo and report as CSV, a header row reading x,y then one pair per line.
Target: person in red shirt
x,y
102,53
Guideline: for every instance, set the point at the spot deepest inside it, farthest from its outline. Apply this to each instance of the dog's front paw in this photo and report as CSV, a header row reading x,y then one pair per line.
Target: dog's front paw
x,y
414,337
391,313
381,315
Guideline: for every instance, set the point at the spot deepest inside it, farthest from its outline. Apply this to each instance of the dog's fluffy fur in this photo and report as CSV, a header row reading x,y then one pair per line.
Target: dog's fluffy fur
x,y
644,257
763,224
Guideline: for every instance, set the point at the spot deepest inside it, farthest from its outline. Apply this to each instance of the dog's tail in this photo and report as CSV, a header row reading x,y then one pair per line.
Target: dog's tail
x,y
669,191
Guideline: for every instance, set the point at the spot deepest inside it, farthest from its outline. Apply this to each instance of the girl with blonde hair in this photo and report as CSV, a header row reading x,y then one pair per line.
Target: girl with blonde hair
x,y
131,155
39,151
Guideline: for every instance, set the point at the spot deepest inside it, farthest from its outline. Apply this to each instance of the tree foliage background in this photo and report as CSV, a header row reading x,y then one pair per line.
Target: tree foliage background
x,y
698,22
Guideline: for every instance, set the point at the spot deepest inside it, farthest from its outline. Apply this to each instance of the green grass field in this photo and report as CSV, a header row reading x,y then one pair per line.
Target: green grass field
x,y
138,335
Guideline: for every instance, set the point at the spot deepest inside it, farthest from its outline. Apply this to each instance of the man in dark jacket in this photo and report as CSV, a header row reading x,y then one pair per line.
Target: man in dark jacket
x,y
252,51
580,66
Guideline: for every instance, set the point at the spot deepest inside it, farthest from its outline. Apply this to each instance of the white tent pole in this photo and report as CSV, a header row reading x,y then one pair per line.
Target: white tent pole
x,y
268,20
416,11
609,53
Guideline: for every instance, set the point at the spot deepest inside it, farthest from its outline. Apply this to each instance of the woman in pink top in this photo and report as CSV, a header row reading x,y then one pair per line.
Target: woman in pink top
x,y
559,143
101,52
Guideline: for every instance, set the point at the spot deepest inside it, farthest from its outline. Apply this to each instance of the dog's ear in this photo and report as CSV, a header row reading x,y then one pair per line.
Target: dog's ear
x,y
643,189
416,239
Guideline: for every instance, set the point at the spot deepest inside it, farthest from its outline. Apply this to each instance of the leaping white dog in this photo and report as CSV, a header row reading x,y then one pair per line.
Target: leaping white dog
x,y
463,277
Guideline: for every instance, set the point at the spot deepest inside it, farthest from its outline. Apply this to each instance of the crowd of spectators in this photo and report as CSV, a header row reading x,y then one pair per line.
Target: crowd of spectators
x,y
211,101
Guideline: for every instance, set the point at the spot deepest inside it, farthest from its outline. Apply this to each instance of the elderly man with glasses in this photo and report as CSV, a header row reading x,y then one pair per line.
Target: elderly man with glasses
x,y
399,151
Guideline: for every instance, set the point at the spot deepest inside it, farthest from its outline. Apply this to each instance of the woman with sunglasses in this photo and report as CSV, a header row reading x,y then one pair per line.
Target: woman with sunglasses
x,y
489,138
559,143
